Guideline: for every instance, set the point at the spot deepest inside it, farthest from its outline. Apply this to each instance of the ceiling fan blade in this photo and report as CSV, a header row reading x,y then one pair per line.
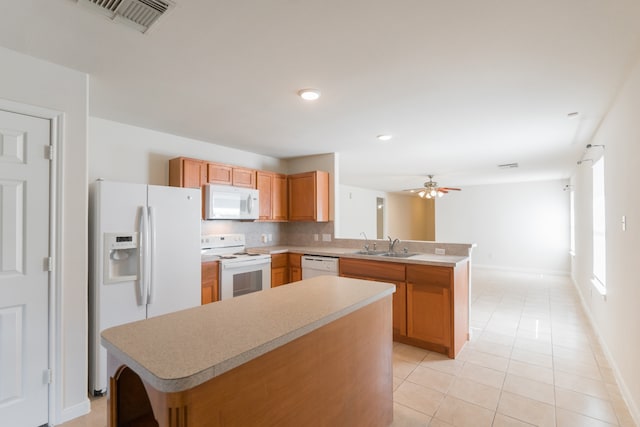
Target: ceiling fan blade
x,y
451,188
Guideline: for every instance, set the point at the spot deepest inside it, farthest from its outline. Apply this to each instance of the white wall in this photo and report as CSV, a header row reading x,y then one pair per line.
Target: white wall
x,y
616,317
358,212
128,153
523,226
33,82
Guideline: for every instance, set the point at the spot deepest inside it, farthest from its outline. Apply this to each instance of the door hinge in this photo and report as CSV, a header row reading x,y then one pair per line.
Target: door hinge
x,y
48,376
48,264
49,152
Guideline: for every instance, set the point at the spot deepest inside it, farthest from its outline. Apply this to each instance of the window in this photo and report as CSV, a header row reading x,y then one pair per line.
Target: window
x,y
599,229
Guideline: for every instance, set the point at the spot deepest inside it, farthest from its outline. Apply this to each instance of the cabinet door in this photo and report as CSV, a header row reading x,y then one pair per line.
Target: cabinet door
x,y
400,309
295,267
309,196
184,172
279,204
429,313
210,283
279,269
279,276
242,177
218,173
264,183
382,272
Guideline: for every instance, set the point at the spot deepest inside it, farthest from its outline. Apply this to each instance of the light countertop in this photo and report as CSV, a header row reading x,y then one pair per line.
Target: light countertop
x,y
181,350
420,258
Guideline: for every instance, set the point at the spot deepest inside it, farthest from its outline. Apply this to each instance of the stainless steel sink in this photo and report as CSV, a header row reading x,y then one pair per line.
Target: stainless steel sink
x,y
398,254
370,252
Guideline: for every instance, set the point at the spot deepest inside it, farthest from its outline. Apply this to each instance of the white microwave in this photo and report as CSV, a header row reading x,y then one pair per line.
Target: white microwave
x,y
228,202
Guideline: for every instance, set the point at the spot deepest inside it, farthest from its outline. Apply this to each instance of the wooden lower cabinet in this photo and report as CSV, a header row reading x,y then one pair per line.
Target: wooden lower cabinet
x,y
430,305
279,270
295,267
382,272
438,307
210,273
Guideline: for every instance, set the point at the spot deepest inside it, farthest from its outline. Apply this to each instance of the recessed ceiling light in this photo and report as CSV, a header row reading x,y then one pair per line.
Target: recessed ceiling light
x,y
309,94
384,137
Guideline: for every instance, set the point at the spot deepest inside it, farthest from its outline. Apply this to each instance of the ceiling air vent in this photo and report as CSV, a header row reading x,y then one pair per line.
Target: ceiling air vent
x,y
508,166
139,14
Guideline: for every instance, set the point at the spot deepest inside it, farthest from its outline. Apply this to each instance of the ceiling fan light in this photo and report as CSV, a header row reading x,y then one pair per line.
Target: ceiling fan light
x,y
422,193
440,194
428,196
433,193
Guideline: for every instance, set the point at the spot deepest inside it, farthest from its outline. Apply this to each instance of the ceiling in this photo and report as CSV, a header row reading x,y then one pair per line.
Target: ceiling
x,y
463,85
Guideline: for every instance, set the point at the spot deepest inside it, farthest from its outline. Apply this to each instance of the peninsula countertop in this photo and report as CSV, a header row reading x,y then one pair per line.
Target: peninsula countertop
x,y
181,350
418,258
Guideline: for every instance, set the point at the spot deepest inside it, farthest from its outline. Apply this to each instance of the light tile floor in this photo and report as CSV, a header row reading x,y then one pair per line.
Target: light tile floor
x,y
533,361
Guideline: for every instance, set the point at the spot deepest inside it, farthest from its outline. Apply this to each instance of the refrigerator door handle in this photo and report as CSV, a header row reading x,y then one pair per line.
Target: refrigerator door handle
x,y
152,254
142,256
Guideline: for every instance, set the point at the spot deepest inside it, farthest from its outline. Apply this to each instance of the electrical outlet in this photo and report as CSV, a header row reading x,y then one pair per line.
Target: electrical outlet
x,y
270,237
439,251
326,237
315,237
263,238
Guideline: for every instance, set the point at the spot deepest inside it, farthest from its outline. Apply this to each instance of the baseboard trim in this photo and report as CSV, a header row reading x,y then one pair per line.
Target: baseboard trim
x,y
624,390
521,270
75,411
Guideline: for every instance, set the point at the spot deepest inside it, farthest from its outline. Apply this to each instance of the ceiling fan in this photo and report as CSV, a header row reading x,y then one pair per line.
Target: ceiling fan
x,y
431,189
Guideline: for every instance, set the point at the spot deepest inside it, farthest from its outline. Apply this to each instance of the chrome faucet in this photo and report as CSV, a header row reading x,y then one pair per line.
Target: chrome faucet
x,y
366,245
392,243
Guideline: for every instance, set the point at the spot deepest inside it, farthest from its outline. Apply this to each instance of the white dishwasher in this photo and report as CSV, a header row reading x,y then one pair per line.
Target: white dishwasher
x,y
315,265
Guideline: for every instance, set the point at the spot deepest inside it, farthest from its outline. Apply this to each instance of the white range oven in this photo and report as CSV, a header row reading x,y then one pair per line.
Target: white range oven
x,y
240,272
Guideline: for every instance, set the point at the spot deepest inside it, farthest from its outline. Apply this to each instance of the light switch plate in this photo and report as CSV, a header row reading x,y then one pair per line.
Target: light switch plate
x,y
326,237
440,251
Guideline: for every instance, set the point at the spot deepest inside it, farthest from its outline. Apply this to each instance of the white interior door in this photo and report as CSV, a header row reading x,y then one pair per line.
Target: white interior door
x,y
24,281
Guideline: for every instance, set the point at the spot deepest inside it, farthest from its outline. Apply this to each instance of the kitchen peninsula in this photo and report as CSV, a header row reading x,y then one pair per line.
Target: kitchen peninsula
x,y
317,353
431,302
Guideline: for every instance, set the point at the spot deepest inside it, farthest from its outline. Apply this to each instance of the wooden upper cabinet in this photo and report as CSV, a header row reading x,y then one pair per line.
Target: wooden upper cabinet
x,y
264,184
243,177
185,172
279,198
219,173
273,195
309,196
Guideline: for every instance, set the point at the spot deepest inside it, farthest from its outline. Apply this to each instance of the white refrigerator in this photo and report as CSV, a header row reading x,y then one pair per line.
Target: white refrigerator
x,y
144,259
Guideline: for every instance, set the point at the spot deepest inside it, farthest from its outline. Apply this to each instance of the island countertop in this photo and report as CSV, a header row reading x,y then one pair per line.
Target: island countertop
x,y
181,350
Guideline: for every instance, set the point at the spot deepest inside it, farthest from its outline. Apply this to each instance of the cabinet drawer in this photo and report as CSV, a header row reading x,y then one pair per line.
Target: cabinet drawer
x,y
379,270
279,260
429,275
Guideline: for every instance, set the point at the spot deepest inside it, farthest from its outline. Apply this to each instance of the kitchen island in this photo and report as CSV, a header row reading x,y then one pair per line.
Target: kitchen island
x,y
315,353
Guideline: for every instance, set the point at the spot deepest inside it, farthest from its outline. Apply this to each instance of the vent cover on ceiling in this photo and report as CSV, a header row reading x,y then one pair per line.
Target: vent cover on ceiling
x,y
140,14
508,166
